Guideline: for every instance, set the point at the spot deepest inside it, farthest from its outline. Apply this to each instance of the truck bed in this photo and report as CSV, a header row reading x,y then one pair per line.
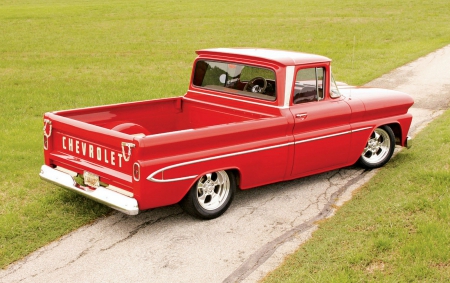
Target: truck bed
x,y
160,116
110,141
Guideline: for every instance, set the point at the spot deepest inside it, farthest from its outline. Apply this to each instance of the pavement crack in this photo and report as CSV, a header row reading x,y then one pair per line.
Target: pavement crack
x,y
140,227
82,254
260,256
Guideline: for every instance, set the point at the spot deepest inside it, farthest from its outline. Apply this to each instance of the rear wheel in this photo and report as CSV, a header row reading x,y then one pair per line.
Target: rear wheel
x,y
379,148
211,195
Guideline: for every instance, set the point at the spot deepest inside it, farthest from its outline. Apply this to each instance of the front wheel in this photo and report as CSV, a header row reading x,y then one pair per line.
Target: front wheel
x,y
379,148
211,195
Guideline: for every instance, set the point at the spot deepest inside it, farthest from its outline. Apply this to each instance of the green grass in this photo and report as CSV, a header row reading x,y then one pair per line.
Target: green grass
x,y
395,229
66,54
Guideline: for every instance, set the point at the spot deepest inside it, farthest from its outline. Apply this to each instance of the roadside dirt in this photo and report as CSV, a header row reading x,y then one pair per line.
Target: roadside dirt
x,y
261,227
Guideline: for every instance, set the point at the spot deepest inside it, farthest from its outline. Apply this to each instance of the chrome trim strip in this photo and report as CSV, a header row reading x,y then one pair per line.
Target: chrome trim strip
x,y
236,99
102,195
333,135
288,85
362,129
152,179
324,137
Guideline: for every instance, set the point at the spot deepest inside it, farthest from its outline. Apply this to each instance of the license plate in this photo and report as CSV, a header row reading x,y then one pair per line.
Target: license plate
x,y
91,179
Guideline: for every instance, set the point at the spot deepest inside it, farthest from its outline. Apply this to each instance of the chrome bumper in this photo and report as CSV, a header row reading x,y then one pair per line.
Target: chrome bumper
x,y
127,205
408,142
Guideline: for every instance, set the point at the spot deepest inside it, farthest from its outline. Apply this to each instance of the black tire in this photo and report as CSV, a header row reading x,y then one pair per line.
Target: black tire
x,y
379,148
211,195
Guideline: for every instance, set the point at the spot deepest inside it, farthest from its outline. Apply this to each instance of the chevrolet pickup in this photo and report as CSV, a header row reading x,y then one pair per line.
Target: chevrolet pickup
x,y
250,117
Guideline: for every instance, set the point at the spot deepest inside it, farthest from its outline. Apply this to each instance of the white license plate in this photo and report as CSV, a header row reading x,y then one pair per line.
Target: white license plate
x,y
91,179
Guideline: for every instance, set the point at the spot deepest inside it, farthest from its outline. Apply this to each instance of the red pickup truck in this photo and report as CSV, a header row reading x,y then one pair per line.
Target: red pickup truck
x,y
250,117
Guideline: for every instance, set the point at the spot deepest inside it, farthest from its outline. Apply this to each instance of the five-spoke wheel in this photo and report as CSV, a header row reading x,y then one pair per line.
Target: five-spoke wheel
x,y
379,148
211,195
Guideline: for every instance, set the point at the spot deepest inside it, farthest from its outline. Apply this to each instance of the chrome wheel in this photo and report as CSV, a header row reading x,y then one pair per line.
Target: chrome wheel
x,y
213,189
379,148
211,195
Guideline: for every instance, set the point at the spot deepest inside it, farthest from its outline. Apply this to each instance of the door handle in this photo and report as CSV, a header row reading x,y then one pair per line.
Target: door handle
x,y
301,116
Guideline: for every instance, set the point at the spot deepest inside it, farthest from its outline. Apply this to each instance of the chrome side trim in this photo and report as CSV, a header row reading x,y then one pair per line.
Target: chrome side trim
x,y
334,135
236,99
361,129
102,195
324,137
152,179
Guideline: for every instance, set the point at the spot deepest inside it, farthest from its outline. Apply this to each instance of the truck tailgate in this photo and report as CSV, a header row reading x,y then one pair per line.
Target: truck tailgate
x,y
90,160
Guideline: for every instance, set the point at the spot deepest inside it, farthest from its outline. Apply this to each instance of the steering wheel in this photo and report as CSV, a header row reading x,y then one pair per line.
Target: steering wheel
x,y
251,85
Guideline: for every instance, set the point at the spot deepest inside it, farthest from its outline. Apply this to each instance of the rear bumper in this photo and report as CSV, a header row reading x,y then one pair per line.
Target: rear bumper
x,y
127,205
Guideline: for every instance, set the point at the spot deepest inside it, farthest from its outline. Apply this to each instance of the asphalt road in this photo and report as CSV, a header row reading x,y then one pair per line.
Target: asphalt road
x,y
249,240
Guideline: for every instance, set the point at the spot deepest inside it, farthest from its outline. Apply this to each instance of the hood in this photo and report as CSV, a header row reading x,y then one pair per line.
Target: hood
x,y
377,99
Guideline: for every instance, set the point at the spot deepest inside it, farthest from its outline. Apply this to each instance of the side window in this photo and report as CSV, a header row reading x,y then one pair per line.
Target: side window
x,y
309,85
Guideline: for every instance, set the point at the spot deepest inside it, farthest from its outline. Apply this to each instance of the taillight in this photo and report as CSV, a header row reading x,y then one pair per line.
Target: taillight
x,y
136,171
45,142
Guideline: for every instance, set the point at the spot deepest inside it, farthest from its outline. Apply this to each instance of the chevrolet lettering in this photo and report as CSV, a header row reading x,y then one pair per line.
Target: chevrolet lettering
x,y
91,151
250,117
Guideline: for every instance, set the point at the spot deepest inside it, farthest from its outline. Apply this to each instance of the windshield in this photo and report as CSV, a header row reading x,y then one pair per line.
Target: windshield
x,y
237,79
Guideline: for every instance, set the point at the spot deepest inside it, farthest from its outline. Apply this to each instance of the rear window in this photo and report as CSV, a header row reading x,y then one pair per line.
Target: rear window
x,y
236,79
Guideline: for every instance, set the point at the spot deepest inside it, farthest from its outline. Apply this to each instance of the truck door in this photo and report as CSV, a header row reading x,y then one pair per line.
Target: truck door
x,y
321,131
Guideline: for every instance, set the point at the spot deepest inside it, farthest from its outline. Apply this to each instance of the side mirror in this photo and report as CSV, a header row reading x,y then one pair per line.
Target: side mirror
x,y
334,93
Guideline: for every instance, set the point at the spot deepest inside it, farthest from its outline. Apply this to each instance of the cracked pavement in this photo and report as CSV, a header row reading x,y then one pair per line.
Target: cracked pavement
x,y
260,228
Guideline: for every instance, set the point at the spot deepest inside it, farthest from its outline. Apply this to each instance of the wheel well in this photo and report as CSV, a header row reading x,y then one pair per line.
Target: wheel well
x,y
237,175
397,132
234,171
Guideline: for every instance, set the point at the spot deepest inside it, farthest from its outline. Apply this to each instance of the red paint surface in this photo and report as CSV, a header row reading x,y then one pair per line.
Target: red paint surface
x,y
262,140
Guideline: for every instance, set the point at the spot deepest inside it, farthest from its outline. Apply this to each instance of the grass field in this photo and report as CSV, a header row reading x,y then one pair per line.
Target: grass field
x,y
395,229
65,54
